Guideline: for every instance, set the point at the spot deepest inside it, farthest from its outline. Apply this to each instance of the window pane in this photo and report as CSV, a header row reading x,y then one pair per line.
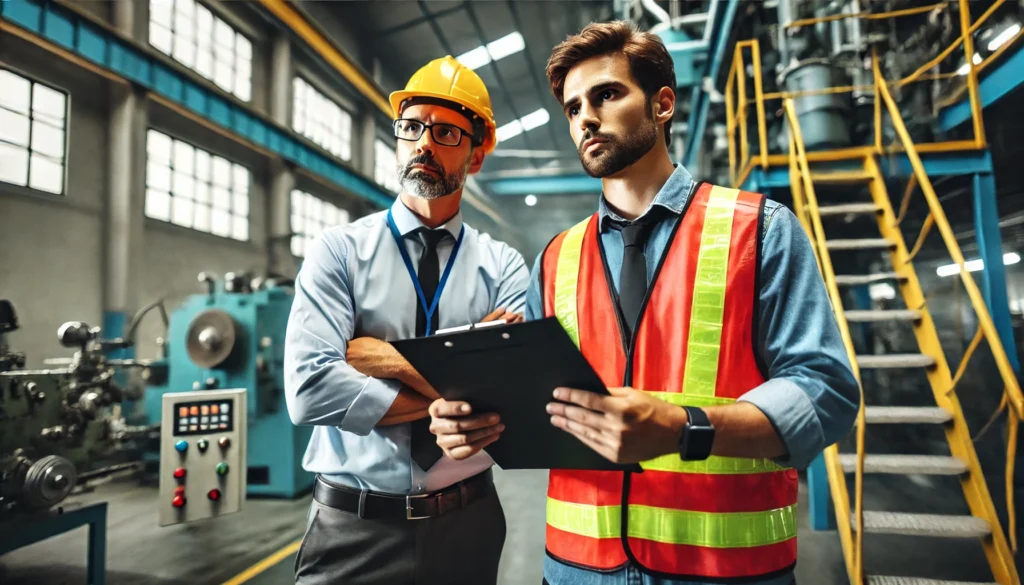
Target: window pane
x,y
184,185
202,192
221,198
221,172
160,38
243,88
313,208
241,205
158,147
204,58
296,201
160,11
158,205
298,224
330,215
203,163
220,222
46,175
184,29
185,51
222,75
15,93
185,7
184,157
202,217
343,217
204,22
223,35
13,164
47,102
47,140
158,176
182,209
13,127
241,178
297,242
243,49
240,228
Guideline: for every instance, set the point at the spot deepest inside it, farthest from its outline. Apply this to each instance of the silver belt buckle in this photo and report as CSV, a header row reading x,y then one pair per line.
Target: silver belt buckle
x,y
408,508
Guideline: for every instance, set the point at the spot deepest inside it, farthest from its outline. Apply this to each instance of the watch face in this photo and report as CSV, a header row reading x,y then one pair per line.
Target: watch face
x,y
699,442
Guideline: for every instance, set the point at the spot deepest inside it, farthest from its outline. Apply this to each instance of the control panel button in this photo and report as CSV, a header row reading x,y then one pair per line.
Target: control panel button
x,y
203,444
213,494
179,491
179,473
222,468
224,442
181,446
178,501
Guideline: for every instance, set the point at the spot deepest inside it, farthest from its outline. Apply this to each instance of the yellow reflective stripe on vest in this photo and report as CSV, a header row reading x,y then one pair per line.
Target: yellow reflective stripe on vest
x,y
716,530
566,278
709,284
713,464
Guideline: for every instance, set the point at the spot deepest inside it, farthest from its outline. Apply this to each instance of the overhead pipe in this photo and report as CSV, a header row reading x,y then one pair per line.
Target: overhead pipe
x,y
664,20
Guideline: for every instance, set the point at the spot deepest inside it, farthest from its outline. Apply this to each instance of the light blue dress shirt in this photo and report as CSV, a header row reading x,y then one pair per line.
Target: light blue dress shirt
x,y
811,396
353,283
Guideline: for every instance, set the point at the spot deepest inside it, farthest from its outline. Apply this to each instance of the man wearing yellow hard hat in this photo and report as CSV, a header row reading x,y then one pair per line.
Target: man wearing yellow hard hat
x,y
389,506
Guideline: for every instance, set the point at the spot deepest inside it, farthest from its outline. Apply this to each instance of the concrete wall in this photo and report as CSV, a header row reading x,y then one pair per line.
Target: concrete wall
x,y
51,246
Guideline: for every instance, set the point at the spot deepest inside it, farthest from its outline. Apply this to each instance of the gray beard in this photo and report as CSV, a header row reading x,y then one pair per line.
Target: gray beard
x,y
425,186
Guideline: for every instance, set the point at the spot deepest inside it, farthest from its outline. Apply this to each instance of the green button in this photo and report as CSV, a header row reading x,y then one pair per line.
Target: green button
x,y
222,468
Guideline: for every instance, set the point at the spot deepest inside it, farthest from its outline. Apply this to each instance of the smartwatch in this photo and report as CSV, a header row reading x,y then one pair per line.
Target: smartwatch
x,y
698,436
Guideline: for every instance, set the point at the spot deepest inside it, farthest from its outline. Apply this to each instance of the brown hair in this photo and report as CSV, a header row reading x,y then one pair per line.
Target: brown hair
x,y
649,60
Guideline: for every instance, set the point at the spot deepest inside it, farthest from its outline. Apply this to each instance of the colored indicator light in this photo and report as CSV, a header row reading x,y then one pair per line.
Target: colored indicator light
x,y
222,468
224,442
179,473
181,446
213,494
178,501
203,444
179,491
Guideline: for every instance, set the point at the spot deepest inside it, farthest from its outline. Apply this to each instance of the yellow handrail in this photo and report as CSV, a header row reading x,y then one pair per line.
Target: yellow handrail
x,y
802,167
867,16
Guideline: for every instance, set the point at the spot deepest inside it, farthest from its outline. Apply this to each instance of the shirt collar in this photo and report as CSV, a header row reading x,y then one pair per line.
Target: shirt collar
x,y
672,196
407,222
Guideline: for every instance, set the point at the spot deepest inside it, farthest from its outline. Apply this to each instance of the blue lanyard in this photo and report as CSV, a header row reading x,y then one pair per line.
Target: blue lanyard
x,y
427,310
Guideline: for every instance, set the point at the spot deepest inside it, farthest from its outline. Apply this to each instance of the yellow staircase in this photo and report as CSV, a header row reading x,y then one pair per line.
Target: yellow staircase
x,y
853,522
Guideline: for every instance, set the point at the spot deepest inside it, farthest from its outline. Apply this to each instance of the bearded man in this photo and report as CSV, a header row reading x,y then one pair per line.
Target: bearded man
x,y
388,506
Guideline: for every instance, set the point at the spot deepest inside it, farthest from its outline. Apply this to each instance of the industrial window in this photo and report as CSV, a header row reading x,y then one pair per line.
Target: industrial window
x,y
193,36
33,119
321,120
384,163
192,188
310,217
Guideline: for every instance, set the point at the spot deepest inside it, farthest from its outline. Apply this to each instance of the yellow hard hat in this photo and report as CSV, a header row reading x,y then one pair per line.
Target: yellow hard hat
x,y
447,79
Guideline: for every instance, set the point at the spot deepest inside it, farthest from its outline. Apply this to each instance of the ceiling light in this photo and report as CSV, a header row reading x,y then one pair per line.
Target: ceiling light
x,y
975,265
510,130
963,70
534,119
507,45
531,200
1001,39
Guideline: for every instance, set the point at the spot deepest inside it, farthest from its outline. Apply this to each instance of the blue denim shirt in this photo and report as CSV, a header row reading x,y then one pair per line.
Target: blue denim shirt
x,y
811,396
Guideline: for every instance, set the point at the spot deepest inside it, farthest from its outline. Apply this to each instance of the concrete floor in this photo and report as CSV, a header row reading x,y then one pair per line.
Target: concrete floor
x,y
141,553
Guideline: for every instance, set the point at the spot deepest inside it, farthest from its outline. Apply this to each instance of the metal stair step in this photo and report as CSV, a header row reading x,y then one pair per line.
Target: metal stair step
x,y
860,244
905,464
856,279
889,315
887,580
923,525
896,360
842,177
880,415
847,209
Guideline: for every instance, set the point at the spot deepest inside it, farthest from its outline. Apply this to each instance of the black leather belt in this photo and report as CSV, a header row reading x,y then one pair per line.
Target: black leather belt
x,y
375,505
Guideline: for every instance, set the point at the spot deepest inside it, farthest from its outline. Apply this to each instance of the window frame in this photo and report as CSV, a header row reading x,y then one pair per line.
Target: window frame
x,y
377,140
304,235
65,146
298,75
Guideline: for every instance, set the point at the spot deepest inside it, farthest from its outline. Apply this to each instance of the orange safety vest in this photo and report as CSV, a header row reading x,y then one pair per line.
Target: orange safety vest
x,y
722,518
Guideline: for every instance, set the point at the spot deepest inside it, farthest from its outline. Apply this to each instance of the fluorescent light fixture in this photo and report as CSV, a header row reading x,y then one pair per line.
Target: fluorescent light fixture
x,y
975,265
507,45
1002,38
964,69
510,130
531,200
534,119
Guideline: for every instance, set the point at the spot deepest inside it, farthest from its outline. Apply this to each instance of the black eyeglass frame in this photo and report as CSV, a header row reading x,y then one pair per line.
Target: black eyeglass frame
x,y
463,133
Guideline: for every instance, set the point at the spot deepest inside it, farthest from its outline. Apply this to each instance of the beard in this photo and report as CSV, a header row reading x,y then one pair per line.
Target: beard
x,y
617,154
419,183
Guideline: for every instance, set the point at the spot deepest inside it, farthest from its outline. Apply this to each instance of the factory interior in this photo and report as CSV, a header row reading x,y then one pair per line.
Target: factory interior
x,y
165,165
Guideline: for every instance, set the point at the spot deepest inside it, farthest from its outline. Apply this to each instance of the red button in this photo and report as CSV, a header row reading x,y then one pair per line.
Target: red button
x,y
214,494
179,491
224,442
178,501
179,473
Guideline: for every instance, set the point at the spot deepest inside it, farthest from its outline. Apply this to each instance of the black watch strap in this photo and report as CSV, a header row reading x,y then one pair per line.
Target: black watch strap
x,y
698,435
696,417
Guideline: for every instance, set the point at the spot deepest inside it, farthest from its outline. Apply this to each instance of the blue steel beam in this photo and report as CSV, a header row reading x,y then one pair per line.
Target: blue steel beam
x,y
700,103
993,277
999,82
165,78
554,185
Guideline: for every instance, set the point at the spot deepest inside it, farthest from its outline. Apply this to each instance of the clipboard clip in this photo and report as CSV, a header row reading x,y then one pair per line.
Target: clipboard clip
x,y
471,327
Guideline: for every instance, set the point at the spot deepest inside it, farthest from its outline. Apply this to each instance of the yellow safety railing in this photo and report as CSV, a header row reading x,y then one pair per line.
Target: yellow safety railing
x,y
1013,399
805,203
738,101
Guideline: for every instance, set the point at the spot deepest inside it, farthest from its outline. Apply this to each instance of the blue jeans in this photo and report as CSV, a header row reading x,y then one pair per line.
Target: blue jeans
x,y
556,573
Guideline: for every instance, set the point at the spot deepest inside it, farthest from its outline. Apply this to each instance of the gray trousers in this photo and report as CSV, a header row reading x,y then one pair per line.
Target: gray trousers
x,y
460,547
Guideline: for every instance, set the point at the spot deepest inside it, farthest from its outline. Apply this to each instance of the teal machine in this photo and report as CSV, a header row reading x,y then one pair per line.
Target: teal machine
x,y
232,336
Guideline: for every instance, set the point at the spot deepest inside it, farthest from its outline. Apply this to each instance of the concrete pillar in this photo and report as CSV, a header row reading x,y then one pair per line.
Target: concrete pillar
x,y
124,229
282,177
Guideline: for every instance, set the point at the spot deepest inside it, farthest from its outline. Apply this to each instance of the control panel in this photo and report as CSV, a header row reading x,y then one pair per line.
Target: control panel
x,y
202,454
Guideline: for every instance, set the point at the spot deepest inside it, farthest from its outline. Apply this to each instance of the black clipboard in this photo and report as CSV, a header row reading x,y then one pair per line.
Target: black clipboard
x,y
512,370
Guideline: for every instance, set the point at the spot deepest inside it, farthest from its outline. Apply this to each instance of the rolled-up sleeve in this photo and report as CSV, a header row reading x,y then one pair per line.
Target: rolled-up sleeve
x,y
515,278
321,388
811,395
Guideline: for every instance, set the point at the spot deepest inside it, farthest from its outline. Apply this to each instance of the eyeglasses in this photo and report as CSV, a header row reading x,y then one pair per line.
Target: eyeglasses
x,y
445,134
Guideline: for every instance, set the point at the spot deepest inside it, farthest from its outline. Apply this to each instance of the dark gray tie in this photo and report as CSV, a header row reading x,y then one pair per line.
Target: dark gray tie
x,y
633,275
425,451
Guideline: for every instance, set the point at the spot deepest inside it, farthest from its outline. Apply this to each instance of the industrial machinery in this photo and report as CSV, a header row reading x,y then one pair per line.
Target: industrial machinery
x,y
232,336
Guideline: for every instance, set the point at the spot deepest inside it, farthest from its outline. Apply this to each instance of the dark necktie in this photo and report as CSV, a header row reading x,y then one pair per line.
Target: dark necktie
x,y
425,451
633,275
